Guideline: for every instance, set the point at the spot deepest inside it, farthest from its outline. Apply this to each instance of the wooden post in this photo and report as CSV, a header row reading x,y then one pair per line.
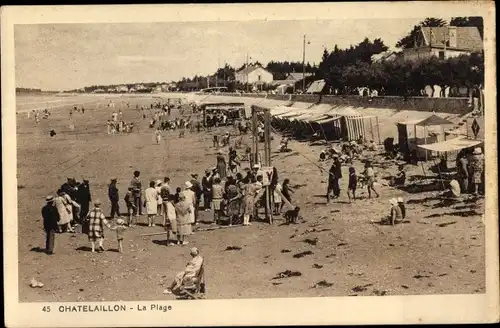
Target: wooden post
x,y
425,141
378,131
267,157
371,129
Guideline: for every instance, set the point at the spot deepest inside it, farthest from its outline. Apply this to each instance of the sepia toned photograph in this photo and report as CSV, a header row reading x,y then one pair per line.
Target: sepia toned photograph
x,y
250,159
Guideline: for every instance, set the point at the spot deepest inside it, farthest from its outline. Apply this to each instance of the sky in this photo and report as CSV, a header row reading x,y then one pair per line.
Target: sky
x,y
70,56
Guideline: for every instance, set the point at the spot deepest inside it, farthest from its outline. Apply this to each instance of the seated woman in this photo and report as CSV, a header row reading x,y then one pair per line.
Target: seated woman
x,y
454,190
399,179
189,276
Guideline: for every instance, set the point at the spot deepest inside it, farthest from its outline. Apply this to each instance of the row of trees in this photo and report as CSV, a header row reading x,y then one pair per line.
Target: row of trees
x,y
409,78
344,70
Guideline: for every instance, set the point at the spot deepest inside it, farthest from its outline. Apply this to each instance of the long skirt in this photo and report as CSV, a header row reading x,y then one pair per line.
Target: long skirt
x,y
191,215
233,208
216,204
248,205
183,229
151,208
222,170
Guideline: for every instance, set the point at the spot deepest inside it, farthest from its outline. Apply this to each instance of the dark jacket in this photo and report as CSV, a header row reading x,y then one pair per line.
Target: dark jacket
x,y
197,188
337,169
50,217
206,184
83,194
113,193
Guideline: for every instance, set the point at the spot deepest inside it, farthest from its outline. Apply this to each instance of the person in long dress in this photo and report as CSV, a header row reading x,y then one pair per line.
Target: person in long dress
x,y
277,198
151,203
159,200
183,210
249,201
64,206
170,217
186,276
221,165
191,198
233,197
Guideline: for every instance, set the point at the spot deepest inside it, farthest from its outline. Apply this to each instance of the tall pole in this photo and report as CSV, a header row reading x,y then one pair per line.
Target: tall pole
x,y
304,66
217,77
246,68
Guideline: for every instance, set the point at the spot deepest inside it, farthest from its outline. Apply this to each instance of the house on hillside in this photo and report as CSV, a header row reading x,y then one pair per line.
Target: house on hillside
x,y
140,87
296,77
386,56
254,74
122,88
444,42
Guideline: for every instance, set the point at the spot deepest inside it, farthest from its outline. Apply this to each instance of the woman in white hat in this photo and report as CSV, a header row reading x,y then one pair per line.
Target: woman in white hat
x,y
396,214
191,271
151,203
190,198
477,169
183,210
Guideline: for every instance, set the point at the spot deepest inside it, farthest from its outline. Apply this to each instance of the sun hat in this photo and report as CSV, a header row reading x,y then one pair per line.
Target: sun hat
x,y
158,182
97,202
188,184
393,201
256,166
49,198
477,151
194,251
120,221
400,200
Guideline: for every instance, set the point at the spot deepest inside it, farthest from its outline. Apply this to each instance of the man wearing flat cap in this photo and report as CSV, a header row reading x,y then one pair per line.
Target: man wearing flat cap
x,y
114,198
50,226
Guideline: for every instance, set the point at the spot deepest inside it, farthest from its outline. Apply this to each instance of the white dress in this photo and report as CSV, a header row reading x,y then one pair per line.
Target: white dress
x,y
190,197
151,199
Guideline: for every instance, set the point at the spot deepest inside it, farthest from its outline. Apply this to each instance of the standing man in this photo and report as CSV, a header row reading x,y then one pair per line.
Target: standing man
x,y
206,185
337,172
136,184
50,224
83,198
114,198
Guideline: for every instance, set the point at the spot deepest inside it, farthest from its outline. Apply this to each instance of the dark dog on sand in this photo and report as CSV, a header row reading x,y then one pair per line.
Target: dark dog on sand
x,y
291,216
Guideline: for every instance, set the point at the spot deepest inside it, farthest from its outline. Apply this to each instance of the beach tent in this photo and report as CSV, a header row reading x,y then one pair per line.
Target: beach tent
x,y
451,145
422,131
316,87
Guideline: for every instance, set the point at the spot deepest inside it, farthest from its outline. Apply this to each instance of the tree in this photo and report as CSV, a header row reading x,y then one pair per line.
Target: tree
x,y
409,40
469,21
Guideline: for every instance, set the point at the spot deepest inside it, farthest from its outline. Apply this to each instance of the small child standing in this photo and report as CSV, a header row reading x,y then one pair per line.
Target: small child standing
x,y
129,200
120,229
401,205
353,181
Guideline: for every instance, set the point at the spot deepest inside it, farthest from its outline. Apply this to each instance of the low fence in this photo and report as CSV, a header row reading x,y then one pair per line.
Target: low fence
x,y
453,105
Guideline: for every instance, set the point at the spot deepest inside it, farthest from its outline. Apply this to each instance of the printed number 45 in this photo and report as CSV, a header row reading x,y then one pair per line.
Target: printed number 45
x,y
46,309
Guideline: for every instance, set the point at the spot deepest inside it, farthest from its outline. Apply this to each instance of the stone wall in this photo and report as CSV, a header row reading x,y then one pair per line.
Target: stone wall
x,y
453,105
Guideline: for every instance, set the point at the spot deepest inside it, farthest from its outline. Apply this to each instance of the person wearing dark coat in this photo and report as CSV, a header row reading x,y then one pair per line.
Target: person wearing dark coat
x,y
50,224
114,198
198,191
334,175
83,198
